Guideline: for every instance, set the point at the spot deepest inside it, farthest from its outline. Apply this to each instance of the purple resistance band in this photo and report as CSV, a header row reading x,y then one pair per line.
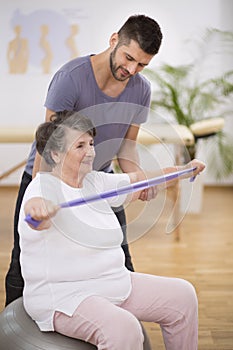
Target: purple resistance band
x,y
134,187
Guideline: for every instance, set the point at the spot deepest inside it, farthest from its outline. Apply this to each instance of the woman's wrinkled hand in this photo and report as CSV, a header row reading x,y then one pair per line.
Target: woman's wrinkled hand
x,y
195,163
42,210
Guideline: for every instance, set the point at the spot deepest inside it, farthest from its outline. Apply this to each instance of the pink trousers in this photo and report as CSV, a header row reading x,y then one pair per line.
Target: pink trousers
x,y
170,302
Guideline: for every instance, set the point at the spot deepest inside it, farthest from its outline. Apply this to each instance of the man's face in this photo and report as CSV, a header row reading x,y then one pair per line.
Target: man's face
x,y
128,60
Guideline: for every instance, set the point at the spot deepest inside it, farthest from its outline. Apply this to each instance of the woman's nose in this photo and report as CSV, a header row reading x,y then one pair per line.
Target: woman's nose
x,y
91,151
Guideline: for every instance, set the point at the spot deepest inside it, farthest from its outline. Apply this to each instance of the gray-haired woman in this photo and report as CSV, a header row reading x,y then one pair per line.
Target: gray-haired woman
x,y
69,287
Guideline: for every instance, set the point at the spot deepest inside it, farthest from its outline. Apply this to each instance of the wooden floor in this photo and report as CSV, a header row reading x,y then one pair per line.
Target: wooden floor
x,y
204,256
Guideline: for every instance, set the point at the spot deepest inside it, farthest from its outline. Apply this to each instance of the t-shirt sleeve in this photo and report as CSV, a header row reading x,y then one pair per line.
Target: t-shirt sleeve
x,y
62,93
109,182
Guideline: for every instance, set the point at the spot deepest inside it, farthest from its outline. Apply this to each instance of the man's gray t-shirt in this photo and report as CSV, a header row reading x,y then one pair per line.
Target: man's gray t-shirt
x,y
74,88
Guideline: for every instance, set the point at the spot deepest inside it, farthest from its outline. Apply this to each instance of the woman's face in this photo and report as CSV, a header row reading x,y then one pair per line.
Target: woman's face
x,y
78,159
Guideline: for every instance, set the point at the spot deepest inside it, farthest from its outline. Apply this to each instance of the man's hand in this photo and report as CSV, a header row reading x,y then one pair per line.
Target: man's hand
x,y
148,194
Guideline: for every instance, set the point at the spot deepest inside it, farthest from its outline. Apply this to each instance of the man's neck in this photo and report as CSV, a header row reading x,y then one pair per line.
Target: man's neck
x,y
103,75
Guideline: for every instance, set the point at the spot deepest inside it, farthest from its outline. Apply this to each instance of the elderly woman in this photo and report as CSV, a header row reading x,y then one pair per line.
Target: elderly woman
x,y
69,287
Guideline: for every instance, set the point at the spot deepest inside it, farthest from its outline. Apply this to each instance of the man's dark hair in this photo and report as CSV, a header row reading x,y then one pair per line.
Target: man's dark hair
x,y
144,30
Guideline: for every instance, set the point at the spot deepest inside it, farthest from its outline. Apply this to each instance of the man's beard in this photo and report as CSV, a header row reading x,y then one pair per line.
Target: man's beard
x,y
114,68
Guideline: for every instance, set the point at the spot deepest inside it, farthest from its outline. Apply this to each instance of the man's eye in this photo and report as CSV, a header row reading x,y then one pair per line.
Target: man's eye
x,y
129,58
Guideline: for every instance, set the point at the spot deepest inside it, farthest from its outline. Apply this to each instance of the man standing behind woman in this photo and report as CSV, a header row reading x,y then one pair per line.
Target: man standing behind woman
x,y
108,88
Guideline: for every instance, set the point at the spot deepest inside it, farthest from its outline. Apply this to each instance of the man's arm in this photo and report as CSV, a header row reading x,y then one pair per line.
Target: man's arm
x,y
128,159
127,156
38,163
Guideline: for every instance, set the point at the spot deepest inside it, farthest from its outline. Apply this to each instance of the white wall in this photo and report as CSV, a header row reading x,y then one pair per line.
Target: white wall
x,y
23,95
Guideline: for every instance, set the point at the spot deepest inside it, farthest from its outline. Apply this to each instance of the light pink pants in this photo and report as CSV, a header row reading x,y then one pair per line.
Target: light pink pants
x,y
170,302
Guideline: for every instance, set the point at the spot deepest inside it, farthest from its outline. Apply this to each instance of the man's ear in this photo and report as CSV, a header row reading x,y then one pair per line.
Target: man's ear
x,y
113,41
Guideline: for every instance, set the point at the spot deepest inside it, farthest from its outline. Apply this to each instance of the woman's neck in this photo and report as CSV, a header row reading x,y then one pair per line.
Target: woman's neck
x,y
76,182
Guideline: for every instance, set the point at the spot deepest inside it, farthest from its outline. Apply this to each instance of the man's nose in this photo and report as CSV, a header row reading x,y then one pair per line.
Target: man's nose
x,y
132,67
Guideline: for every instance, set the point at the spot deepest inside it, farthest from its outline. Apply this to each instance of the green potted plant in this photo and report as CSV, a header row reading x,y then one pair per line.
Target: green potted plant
x,y
186,95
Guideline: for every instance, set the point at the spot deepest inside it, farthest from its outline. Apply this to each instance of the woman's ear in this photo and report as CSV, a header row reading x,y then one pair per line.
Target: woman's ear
x,y
113,41
56,157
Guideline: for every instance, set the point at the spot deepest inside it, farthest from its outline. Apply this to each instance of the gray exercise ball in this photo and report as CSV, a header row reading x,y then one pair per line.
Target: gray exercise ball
x,y
19,332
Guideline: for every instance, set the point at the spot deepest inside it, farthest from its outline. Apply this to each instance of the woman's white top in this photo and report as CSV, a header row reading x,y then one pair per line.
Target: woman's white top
x,y
79,255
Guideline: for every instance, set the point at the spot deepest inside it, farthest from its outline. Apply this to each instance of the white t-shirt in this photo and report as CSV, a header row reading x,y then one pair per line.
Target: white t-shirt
x,y
79,255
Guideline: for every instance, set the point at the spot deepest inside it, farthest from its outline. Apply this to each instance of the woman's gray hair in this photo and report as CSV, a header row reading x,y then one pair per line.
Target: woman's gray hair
x,y
51,136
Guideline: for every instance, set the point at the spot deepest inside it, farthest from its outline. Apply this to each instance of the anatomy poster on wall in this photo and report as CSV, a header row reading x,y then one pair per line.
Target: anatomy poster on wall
x,y
41,40
36,39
